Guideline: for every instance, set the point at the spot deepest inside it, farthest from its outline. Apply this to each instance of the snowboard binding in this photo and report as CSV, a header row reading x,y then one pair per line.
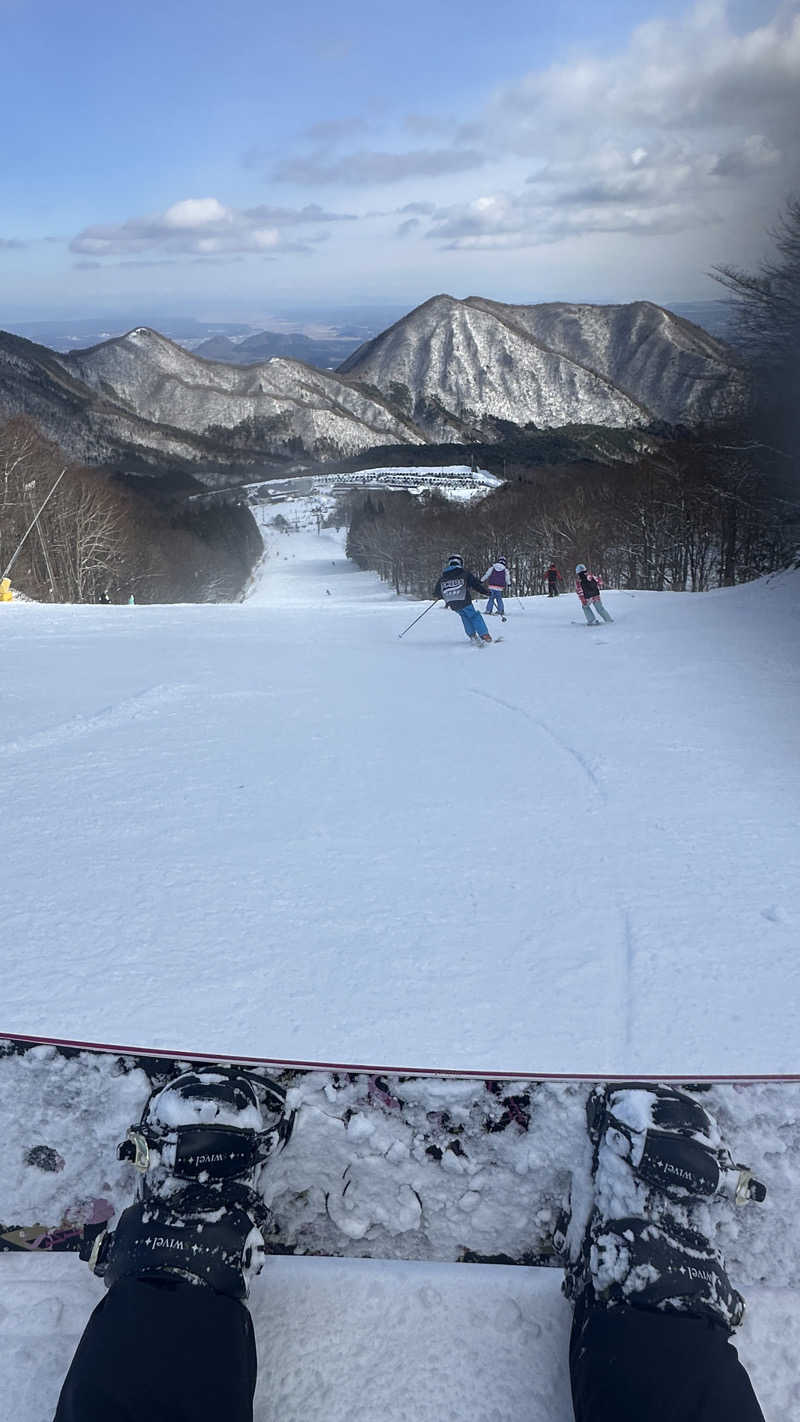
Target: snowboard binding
x,y
658,1160
187,1237
199,1146
207,1126
670,1142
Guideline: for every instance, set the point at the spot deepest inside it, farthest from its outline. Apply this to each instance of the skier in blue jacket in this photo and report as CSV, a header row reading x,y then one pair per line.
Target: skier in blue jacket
x,y
455,587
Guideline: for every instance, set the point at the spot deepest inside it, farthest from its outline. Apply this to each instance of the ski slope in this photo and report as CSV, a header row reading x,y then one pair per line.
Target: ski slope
x,y
275,828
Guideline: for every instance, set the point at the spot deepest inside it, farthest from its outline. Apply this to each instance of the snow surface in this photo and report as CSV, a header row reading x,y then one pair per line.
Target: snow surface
x,y
273,828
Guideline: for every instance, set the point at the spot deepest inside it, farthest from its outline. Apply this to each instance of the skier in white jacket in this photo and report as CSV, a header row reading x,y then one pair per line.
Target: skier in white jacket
x,y
498,581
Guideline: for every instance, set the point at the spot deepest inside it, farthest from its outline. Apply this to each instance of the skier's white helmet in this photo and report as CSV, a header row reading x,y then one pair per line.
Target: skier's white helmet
x,y
581,568
455,561
504,561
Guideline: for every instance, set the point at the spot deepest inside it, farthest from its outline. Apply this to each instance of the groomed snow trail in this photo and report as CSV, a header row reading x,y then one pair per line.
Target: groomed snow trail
x,y
275,828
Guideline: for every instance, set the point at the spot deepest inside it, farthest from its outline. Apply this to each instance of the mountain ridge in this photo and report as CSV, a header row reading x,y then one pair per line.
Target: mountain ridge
x,y
450,371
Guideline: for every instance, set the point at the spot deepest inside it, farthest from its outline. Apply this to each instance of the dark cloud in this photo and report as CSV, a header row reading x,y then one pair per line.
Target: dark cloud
x,y
295,217
749,158
366,168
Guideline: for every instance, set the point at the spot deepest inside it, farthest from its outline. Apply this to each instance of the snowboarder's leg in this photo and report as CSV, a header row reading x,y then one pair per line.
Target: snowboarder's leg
x,y
604,613
498,597
654,1308
162,1349
628,1364
173,1338
588,614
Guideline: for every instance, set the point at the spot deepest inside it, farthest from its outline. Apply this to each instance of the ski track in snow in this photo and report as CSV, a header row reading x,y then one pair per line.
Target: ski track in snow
x,y
627,1005
548,730
145,704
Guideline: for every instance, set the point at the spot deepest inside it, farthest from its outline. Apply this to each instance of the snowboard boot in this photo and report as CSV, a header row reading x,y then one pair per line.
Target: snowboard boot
x,y
486,637
200,1145
658,1162
207,1126
669,1141
203,1235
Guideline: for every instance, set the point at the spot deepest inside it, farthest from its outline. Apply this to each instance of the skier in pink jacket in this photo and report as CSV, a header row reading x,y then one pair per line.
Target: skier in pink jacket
x,y
588,586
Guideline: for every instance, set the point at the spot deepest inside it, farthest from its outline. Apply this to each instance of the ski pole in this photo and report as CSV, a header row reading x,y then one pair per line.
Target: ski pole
x,y
416,619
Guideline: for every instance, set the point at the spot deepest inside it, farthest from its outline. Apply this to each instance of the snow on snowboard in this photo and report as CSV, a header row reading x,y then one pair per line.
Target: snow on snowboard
x,y
355,1161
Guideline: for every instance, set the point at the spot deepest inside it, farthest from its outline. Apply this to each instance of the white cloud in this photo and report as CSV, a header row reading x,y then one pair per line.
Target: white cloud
x,y
691,125
204,227
196,212
693,74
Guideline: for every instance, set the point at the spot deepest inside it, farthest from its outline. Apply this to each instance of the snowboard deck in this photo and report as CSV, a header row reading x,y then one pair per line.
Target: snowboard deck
x,y
383,1162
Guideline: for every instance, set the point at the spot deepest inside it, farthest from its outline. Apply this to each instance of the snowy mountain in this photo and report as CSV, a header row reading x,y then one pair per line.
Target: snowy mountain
x,y
94,426
455,363
143,401
279,403
449,372
326,354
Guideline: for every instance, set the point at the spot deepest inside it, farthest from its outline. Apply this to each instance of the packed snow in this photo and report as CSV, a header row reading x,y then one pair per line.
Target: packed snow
x,y
275,828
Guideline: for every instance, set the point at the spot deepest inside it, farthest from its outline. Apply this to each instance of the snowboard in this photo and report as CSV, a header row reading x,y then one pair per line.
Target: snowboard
x,y
378,1162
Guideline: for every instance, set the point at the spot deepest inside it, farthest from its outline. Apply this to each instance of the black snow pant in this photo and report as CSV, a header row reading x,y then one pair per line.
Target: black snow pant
x,y
162,1351
552,590
637,1365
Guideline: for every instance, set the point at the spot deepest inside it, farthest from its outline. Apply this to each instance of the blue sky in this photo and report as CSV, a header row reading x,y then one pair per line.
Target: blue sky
x,y
232,160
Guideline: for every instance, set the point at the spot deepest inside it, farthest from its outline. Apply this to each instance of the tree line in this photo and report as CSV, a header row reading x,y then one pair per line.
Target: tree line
x,y
102,537
693,515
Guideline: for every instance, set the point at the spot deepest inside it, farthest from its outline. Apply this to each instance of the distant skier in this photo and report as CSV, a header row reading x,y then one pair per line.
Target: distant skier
x,y
587,586
553,579
653,1306
498,580
455,588
173,1337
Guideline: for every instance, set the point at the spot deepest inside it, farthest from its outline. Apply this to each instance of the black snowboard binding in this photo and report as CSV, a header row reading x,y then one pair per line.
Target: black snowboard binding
x,y
658,1160
670,1142
200,1145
